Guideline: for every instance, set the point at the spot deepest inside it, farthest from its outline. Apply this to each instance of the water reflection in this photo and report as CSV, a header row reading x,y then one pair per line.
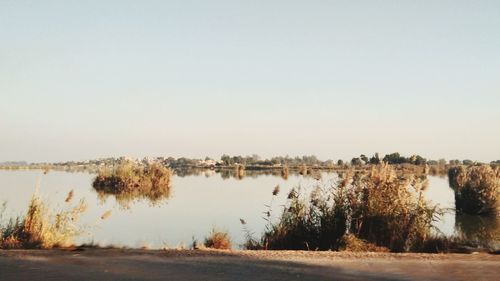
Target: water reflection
x,y
126,199
199,200
240,174
481,230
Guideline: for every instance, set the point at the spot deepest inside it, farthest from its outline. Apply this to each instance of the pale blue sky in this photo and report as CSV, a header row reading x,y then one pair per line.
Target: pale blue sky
x,y
89,79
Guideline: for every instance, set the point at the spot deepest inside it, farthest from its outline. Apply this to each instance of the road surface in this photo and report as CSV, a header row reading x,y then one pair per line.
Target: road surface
x,y
118,264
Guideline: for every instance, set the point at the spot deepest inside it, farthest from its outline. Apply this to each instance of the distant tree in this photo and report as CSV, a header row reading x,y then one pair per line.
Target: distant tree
x,y
275,161
441,162
310,160
455,162
375,159
340,162
467,162
417,160
394,158
226,159
356,161
238,160
364,158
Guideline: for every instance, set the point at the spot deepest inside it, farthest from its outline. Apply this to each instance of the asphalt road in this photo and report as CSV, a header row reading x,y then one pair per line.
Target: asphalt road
x,y
116,264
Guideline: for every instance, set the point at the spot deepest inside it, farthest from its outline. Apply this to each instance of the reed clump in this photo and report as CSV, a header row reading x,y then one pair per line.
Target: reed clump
x,y
351,243
285,172
377,207
130,181
42,229
218,240
477,189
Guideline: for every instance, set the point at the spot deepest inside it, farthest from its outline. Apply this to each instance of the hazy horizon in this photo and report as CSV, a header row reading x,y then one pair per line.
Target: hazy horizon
x,y
336,79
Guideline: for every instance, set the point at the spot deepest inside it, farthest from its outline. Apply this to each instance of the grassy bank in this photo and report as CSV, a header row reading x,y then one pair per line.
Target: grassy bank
x,y
363,210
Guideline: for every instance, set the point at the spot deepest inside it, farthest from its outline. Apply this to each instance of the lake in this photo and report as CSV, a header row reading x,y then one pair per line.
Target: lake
x,y
198,202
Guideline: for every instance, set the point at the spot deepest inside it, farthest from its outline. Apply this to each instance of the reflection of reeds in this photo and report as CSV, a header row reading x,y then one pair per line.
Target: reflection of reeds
x,y
483,231
239,172
303,170
477,189
41,228
284,172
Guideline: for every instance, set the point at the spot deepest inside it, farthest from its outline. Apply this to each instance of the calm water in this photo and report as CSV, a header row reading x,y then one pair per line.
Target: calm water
x,y
197,204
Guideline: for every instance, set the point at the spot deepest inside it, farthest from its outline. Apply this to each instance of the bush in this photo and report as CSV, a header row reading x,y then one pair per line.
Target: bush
x,y
41,228
218,240
375,206
129,181
477,189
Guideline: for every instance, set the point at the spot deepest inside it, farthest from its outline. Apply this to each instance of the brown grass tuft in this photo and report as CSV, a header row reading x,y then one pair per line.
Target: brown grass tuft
x,y
41,228
218,240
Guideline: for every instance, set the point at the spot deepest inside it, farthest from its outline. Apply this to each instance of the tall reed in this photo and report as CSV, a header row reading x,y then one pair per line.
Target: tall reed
x,y
376,206
477,189
42,228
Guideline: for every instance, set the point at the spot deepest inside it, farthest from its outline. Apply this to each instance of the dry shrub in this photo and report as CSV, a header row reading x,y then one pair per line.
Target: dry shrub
x,y
352,243
41,228
218,240
477,189
376,206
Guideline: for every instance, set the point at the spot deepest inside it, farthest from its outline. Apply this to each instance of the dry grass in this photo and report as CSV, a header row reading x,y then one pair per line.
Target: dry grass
x,y
129,182
218,240
477,189
376,206
41,228
352,243
285,172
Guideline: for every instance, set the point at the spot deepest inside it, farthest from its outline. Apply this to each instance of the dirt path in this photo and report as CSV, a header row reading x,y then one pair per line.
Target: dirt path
x,y
115,264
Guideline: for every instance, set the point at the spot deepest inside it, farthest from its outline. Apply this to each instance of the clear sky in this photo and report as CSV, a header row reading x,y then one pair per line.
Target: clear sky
x,y
89,79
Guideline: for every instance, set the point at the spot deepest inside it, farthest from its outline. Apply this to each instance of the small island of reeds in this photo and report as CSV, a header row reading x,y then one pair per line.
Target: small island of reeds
x,y
128,181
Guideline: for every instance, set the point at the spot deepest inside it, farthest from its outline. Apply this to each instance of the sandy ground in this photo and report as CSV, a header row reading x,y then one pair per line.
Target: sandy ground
x,y
116,264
